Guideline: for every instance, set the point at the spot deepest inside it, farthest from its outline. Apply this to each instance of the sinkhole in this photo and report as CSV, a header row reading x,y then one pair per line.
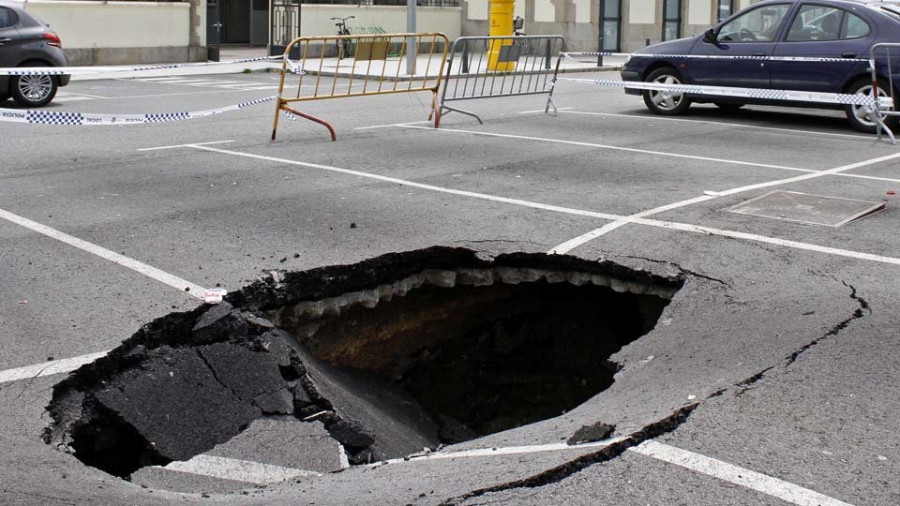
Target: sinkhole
x,y
390,355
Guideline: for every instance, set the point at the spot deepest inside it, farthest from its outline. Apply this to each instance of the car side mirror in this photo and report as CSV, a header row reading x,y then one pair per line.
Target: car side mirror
x,y
710,36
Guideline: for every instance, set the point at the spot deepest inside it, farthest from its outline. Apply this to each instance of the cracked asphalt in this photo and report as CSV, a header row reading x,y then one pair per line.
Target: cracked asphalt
x,y
779,355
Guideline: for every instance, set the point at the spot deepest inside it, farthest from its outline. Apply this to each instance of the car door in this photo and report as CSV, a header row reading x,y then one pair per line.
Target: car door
x,y
8,36
819,29
752,32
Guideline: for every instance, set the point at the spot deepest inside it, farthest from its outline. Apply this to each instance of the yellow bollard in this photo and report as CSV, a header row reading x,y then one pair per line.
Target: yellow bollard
x,y
501,25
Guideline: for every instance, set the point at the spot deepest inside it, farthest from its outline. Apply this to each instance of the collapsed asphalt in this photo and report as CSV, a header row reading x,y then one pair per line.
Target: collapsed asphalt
x,y
411,350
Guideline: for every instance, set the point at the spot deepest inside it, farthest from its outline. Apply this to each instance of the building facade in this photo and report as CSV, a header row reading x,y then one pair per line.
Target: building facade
x,y
613,25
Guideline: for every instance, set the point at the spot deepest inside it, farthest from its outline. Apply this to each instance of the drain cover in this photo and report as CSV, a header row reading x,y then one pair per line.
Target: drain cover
x,y
805,208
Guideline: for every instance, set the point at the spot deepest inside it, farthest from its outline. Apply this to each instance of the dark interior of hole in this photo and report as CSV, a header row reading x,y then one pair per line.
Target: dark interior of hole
x,y
100,444
486,359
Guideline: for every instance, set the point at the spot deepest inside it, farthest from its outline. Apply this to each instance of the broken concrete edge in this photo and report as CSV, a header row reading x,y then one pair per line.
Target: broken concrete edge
x,y
607,453
240,321
74,403
292,287
598,431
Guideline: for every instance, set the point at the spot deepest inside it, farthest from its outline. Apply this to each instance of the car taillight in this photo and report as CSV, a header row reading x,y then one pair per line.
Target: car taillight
x,y
52,39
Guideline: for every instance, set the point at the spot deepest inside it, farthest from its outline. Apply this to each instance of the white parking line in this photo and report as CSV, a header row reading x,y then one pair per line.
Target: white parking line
x,y
116,258
497,451
609,147
609,227
746,478
542,110
642,151
185,145
718,123
48,368
392,125
684,227
593,234
237,470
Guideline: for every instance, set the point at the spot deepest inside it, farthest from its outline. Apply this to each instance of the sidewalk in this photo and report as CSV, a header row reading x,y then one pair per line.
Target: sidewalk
x,y
329,66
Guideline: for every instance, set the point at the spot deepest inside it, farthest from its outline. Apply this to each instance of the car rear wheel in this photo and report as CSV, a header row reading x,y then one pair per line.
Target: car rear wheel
x,y
665,102
861,117
33,91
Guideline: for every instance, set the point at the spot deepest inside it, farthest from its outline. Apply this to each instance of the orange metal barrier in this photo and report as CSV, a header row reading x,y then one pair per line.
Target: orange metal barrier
x,y
358,66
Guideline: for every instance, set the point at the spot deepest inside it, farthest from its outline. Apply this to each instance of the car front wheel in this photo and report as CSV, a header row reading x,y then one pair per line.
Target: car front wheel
x,y
665,102
33,91
861,117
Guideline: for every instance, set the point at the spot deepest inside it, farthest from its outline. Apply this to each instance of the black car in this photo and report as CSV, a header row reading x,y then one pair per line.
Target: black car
x,y
26,41
733,53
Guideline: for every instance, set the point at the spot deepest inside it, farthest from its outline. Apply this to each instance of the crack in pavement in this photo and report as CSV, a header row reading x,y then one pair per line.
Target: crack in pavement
x,y
558,473
861,312
680,269
667,424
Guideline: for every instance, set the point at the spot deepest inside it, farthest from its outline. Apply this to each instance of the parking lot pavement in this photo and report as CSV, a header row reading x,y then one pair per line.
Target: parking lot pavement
x,y
777,352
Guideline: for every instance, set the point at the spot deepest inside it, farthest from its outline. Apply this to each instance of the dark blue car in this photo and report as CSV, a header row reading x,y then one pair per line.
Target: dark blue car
x,y
841,29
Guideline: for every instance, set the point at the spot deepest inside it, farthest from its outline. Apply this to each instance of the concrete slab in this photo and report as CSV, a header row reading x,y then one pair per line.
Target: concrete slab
x,y
805,208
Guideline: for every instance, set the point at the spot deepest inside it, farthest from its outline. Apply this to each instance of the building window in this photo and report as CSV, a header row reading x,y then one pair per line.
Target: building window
x,y
671,19
610,21
726,8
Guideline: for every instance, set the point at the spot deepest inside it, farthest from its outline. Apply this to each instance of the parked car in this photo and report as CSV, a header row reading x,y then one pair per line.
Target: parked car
x,y
842,29
26,41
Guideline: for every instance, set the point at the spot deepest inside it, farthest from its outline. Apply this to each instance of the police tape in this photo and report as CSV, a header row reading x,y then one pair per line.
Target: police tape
x,y
752,93
59,71
813,59
87,119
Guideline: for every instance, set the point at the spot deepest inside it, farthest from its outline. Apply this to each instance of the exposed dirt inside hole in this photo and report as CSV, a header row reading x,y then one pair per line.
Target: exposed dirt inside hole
x,y
391,355
487,358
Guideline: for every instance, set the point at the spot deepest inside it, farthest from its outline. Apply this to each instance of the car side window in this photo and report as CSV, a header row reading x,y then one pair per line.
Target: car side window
x,y
816,22
8,18
854,27
758,25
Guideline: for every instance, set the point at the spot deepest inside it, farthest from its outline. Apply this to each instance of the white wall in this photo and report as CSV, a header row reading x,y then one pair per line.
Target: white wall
x,y
93,24
315,19
642,12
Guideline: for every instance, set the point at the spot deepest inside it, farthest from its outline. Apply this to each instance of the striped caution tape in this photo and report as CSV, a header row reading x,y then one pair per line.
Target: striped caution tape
x,y
757,93
815,59
38,117
58,71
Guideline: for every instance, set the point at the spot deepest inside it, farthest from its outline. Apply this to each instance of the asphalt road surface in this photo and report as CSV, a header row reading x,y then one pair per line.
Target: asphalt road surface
x,y
771,378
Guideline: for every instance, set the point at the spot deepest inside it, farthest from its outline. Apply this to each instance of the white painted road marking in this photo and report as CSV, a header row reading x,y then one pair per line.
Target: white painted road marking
x,y
391,125
129,263
593,234
387,179
718,123
746,478
609,227
48,368
646,152
237,470
185,145
498,451
609,147
684,227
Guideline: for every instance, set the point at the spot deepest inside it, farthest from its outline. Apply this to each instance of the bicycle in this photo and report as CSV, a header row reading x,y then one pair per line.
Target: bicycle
x,y
343,45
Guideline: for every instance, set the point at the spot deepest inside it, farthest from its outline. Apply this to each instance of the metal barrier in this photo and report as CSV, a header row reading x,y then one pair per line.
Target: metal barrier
x,y
501,67
357,66
883,110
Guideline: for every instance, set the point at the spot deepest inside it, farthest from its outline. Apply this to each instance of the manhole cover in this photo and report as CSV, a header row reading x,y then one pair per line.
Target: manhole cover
x,y
805,208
